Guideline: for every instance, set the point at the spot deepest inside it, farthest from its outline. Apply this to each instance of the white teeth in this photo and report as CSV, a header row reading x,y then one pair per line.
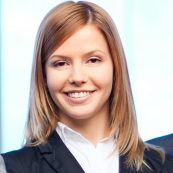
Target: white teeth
x,y
78,94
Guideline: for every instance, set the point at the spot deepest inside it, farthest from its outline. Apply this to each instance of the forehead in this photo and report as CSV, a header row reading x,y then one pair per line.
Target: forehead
x,y
84,39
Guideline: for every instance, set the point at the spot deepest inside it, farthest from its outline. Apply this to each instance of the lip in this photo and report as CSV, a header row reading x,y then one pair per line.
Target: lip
x,y
78,96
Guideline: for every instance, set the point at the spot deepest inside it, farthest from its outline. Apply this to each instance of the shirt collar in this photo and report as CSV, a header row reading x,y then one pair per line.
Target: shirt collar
x,y
66,133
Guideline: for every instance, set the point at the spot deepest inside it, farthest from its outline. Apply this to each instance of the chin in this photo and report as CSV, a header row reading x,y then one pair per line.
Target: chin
x,y
80,117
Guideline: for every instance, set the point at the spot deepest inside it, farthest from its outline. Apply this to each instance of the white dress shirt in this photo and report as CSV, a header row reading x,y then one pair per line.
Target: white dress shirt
x,y
101,158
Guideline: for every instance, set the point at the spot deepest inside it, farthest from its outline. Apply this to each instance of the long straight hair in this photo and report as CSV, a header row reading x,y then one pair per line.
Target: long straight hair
x,y
57,26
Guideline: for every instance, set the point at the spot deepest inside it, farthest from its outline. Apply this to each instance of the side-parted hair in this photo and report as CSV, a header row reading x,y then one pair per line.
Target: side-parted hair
x,y
57,26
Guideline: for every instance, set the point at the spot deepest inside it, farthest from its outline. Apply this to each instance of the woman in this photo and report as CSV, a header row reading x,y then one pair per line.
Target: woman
x,y
81,113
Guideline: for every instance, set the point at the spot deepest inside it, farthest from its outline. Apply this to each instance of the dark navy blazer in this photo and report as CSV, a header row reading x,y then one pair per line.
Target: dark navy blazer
x,y
165,142
54,157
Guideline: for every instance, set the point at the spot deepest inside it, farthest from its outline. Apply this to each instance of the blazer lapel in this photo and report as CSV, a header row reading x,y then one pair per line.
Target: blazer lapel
x,y
61,159
58,155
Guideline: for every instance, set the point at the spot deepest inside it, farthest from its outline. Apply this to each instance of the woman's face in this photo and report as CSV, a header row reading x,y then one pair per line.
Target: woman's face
x,y
79,75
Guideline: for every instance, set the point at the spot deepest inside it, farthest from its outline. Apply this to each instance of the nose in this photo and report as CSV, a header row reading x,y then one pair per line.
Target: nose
x,y
78,75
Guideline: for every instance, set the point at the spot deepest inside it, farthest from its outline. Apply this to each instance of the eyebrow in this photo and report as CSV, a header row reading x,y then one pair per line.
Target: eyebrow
x,y
85,55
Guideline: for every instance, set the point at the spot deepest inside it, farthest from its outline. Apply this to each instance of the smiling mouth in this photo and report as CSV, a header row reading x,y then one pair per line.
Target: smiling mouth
x,y
78,94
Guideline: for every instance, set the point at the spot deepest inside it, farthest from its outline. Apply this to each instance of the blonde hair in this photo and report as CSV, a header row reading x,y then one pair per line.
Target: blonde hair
x,y
58,25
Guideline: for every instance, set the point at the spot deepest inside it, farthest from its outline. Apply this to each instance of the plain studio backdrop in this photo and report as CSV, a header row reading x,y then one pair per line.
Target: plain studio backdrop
x,y
146,30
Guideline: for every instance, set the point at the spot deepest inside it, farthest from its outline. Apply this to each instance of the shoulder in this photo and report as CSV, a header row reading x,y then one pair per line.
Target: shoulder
x,y
21,153
29,159
165,142
31,153
20,160
158,161
164,139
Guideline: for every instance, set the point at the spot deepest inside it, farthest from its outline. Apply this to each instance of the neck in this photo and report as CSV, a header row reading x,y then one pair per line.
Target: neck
x,y
94,129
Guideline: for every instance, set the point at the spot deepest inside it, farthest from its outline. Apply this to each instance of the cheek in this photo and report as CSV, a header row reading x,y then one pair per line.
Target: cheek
x,y
54,81
106,82
104,78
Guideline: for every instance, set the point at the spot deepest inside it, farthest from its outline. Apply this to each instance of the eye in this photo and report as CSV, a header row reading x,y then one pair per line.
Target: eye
x,y
94,60
60,64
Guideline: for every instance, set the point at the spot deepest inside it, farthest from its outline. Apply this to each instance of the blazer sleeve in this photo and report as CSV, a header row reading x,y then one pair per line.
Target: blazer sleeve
x,y
2,165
